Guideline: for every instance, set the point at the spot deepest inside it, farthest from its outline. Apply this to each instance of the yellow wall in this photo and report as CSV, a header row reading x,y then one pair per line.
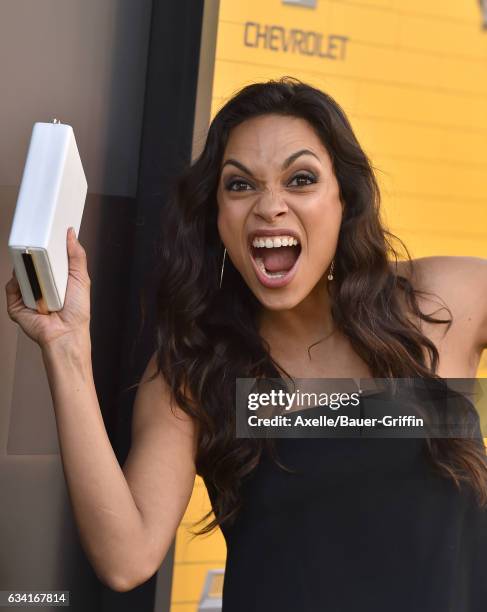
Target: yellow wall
x,y
411,76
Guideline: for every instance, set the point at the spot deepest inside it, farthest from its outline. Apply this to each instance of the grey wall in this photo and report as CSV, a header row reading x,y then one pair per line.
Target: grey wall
x,y
83,62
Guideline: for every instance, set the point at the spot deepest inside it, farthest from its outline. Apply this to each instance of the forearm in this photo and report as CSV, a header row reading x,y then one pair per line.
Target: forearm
x,y
109,522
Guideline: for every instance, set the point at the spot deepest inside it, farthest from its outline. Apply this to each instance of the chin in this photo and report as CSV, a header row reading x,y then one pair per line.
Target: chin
x,y
286,301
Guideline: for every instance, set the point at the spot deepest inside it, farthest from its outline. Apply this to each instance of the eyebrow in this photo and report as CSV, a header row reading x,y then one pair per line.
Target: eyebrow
x,y
287,162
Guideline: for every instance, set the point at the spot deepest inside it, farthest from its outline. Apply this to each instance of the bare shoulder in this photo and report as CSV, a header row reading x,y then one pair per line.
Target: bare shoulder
x,y
460,282
162,405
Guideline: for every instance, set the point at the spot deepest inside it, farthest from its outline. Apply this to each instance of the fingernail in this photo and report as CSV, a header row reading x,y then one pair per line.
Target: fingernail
x,y
72,232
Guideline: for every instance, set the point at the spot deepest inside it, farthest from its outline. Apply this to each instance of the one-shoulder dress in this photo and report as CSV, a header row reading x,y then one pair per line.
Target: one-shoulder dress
x,y
366,525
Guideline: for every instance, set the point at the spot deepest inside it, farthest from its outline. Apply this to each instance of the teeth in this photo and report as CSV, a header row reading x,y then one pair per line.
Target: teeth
x,y
274,242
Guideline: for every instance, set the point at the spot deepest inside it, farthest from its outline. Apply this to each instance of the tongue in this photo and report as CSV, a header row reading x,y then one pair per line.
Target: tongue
x,y
279,259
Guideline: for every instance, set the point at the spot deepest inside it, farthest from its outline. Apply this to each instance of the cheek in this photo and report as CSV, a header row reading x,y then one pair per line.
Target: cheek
x,y
230,224
220,223
323,219
322,224
223,217
224,221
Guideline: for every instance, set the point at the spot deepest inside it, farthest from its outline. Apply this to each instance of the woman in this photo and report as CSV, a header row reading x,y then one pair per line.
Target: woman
x,y
274,262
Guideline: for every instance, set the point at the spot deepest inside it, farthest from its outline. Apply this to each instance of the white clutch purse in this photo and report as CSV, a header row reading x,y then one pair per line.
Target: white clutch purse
x,y
51,198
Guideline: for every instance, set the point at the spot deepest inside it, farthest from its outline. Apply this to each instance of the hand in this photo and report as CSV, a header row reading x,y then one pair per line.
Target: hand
x,y
73,319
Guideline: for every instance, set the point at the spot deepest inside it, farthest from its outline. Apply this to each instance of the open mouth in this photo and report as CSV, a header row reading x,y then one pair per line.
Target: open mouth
x,y
275,258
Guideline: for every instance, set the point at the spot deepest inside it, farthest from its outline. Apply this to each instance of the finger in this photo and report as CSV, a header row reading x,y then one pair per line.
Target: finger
x,y
14,298
12,287
77,255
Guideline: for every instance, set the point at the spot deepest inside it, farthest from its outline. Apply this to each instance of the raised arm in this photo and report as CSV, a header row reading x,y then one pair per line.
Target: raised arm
x,y
126,517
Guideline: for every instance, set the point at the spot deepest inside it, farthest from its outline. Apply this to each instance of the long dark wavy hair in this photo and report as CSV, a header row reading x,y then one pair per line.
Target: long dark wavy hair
x,y
207,336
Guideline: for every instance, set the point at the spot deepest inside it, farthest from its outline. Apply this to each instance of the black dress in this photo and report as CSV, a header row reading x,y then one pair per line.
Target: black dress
x,y
367,525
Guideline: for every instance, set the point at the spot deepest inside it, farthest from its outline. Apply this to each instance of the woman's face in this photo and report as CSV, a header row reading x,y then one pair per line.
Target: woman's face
x,y
272,194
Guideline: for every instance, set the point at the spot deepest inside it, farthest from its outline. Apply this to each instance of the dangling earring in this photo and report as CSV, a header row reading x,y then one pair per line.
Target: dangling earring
x,y
330,273
223,265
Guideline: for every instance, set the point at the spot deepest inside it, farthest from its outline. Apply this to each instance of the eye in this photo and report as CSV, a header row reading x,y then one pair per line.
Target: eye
x,y
230,184
308,177
299,177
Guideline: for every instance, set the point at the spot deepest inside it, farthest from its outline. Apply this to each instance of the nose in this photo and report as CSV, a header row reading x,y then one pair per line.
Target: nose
x,y
270,205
